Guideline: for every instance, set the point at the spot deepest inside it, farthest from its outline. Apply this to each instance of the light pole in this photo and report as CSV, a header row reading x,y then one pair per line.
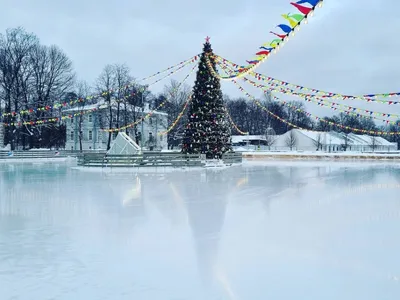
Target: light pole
x,y
142,134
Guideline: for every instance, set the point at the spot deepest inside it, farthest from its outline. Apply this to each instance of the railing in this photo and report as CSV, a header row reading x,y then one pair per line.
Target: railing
x,y
31,154
101,159
148,159
232,157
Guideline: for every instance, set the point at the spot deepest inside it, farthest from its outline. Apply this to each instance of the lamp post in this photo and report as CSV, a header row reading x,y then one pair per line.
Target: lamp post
x,y
142,135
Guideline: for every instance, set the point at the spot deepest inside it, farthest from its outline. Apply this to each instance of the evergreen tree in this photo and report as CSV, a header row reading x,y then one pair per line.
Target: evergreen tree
x,y
207,130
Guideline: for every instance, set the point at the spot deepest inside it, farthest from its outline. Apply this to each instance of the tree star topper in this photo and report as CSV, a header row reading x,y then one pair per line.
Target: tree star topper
x,y
207,39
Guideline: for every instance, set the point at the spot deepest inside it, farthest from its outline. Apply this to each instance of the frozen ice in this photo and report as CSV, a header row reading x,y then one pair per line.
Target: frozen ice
x,y
263,230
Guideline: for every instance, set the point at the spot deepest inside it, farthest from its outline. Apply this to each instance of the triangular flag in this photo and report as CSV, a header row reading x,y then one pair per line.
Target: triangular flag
x,y
276,41
303,9
292,22
285,28
311,2
282,36
252,62
267,49
297,17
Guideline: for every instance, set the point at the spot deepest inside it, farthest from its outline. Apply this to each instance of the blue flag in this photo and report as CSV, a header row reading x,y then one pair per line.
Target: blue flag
x,y
285,28
311,2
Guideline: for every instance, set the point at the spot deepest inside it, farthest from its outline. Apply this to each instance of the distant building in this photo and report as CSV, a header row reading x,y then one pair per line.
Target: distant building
x,y
95,117
303,140
245,140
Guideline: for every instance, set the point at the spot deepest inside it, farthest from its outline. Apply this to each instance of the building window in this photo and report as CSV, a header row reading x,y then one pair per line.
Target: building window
x,y
161,137
99,136
90,118
72,135
90,135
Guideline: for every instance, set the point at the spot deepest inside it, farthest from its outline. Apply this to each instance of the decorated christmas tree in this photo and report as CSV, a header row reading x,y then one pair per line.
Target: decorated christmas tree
x,y
207,130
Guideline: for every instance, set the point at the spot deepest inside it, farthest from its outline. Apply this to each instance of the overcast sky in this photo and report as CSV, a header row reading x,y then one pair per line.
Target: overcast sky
x,y
349,46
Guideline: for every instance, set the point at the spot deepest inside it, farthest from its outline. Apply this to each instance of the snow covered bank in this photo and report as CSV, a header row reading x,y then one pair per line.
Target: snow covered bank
x,y
12,160
320,155
321,163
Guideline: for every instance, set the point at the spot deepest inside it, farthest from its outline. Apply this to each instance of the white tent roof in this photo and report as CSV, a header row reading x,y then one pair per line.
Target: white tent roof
x,y
326,137
366,140
123,144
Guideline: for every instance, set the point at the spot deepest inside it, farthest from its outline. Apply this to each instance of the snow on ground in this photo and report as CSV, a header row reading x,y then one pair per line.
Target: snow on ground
x,y
6,148
316,153
11,160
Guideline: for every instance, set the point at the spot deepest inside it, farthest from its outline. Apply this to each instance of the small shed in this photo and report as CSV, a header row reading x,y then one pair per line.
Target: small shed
x,y
123,144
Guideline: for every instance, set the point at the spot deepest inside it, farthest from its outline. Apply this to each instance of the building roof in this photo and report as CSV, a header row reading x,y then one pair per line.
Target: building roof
x,y
242,138
85,107
102,104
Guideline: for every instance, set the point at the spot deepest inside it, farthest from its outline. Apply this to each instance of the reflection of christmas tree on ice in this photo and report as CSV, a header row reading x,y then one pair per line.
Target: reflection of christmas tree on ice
x,y
206,215
207,131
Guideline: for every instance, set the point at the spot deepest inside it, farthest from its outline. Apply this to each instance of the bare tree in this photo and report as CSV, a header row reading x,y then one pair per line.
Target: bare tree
x,y
15,49
346,141
122,80
374,143
270,141
291,140
53,78
83,91
105,83
318,141
296,115
176,95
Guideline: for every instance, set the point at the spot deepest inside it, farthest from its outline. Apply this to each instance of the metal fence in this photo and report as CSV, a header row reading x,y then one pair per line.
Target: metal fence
x,y
41,154
147,159
151,159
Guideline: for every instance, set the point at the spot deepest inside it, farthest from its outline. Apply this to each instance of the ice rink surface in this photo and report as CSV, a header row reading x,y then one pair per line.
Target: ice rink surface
x,y
263,230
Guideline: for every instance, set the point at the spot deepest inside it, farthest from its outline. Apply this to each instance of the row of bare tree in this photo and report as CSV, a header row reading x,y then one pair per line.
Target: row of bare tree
x,y
31,76
252,118
35,77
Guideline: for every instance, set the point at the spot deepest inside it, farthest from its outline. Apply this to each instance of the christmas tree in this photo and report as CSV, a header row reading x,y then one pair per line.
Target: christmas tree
x,y
207,130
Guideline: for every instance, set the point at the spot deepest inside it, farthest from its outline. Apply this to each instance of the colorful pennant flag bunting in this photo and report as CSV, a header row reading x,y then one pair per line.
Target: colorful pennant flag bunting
x,y
320,93
294,22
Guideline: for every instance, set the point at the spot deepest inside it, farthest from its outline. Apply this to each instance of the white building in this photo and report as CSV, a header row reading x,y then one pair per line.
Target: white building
x,y
303,140
244,140
93,138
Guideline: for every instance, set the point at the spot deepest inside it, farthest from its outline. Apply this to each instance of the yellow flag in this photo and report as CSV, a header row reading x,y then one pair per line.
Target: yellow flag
x,y
292,22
